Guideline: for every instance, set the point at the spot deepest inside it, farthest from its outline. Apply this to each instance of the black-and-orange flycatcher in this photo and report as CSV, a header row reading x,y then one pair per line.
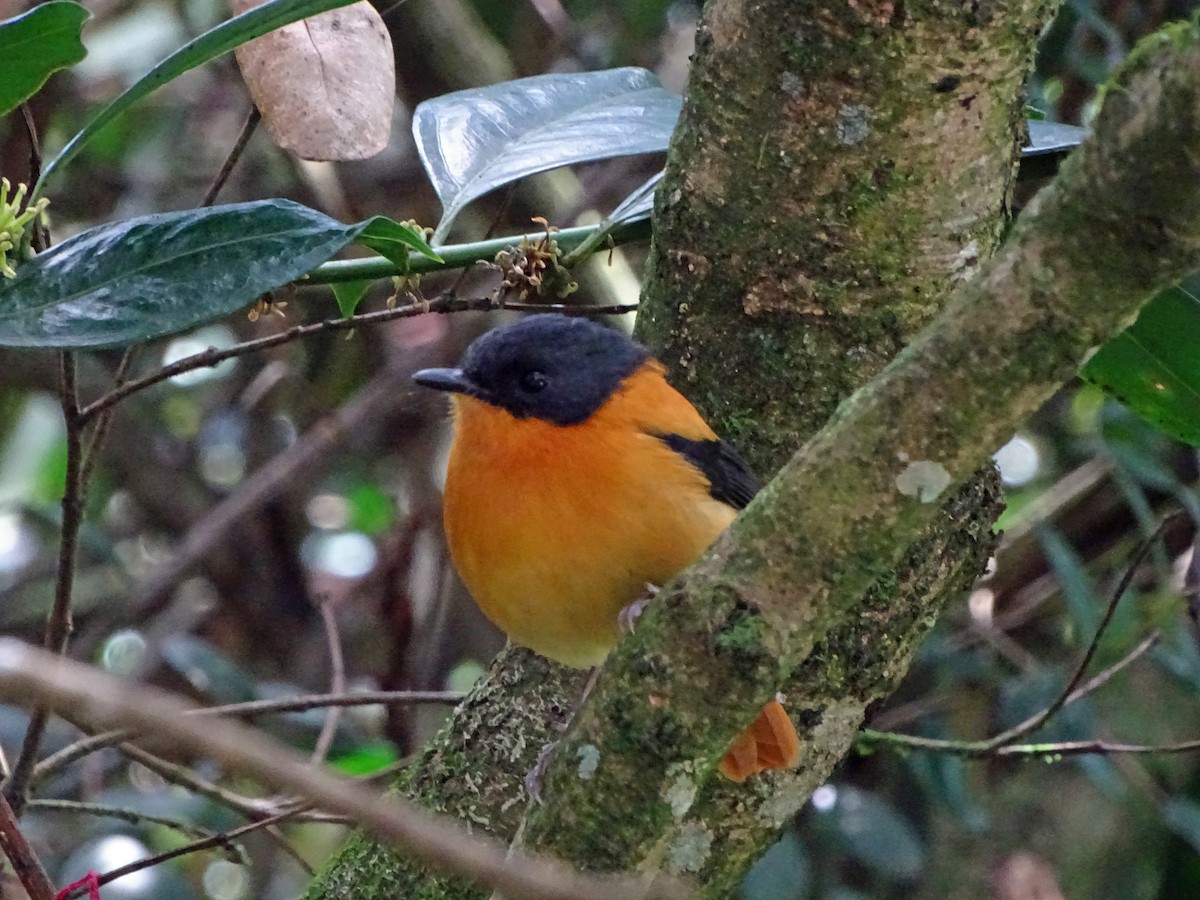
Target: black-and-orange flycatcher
x,y
577,477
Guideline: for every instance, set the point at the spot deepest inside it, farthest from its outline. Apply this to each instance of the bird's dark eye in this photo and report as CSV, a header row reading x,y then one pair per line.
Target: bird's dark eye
x,y
534,381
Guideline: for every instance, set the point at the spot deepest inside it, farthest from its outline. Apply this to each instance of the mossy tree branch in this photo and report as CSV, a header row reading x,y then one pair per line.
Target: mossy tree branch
x,y
823,553
1093,247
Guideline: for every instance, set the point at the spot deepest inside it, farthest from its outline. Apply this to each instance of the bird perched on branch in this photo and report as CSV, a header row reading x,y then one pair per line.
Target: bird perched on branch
x,y
578,476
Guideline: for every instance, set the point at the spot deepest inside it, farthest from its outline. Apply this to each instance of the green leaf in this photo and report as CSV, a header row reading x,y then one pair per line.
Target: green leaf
x,y
392,240
1082,602
877,835
1182,816
634,208
366,760
1153,367
349,294
208,46
36,45
157,275
371,509
474,141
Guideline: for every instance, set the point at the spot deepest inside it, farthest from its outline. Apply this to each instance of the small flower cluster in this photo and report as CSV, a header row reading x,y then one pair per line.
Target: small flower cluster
x,y
534,268
13,221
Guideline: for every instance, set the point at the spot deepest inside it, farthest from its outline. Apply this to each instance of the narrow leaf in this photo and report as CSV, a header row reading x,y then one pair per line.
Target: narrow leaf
x,y
156,275
392,240
877,835
1082,602
208,46
474,141
1049,138
1152,366
349,294
36,45
1182,816
634,208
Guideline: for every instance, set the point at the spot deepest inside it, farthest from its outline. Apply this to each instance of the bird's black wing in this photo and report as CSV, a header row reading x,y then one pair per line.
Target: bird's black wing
x,y
729,477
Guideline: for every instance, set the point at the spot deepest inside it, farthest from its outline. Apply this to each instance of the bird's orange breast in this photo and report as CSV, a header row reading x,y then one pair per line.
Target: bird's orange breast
x,y
554,529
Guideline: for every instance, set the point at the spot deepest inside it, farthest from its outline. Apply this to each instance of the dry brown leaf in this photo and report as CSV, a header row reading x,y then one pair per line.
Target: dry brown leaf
x,y
326,85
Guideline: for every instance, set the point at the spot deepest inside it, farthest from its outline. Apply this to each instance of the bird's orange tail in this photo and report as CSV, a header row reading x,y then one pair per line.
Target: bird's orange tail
x,y
770,742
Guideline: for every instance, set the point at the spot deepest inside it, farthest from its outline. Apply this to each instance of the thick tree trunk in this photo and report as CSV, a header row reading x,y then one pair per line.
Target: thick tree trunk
x,y
838,170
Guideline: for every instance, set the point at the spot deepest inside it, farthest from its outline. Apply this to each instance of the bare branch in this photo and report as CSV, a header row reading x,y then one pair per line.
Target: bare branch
x,y
217,840
91,744
337,682
1036,721
29,675
24,861
445,304
1001,744
58,623
252,120
134,817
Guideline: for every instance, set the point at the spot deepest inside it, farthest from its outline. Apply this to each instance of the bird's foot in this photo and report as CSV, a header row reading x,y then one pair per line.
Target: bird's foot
x,y
631,613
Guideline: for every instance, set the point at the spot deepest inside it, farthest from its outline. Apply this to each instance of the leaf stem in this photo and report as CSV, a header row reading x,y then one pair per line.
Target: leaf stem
x,y
456,256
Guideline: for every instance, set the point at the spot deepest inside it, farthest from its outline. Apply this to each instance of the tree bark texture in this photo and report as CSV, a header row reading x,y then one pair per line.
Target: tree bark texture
x,y
838,519
837,568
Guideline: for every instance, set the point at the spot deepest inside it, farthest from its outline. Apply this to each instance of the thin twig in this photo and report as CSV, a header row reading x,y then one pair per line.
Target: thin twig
x,y
1036,721
21,856
183,777
1094,747
29,675
246,806
1002,744
224,839
235,154
104,420
1145,645
445,304
133,817
88,745
39,236
58,623
337,683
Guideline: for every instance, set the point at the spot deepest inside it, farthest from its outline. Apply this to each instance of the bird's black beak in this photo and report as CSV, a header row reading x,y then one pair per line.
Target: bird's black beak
x,y
452,380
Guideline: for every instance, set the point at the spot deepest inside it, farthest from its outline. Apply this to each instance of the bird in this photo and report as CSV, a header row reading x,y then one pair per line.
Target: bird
x,y
578,479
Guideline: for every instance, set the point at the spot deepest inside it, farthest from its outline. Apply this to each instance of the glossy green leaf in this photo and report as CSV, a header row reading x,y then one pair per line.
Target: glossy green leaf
x,y
392,240
348,294
208,46
1153,367
37,44
474,141
157,275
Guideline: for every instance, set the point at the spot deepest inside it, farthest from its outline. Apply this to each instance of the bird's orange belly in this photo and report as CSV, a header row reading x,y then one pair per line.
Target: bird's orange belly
x,y
553,560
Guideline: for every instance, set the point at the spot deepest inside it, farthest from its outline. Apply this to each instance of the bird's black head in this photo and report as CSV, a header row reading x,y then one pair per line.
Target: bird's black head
x,y
549,366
